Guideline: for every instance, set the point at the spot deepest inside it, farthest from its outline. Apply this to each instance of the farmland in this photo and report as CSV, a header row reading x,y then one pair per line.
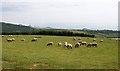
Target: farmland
x,y
36,55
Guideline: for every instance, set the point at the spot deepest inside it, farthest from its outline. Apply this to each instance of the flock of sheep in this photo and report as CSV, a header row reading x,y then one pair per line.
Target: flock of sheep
x,y
78,44
65,44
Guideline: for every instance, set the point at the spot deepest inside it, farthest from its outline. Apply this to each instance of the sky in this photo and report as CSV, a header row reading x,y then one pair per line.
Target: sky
x,y
64,14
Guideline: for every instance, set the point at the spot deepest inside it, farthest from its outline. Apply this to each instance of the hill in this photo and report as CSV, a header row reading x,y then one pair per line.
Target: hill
x,y
22,29
8,27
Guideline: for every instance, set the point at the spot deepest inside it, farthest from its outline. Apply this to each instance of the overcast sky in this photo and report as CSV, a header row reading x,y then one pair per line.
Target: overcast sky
x,y
70,14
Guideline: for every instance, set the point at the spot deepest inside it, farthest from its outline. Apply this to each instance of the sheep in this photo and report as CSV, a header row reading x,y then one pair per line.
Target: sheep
x,y
10,35
50,44
34,39
79,38
2,35
65,44
59,44
101,40
13,39
77,45
74,38
94,39
80,41
83,43
37,36
94,44
89,44
69,46
22,39
9,40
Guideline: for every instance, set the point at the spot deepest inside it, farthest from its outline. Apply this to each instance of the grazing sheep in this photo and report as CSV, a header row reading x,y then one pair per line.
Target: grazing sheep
x,y
94,44
10,35
84,43
101,40
13,39
2,35
59,44
65,44
9,40
69,46
37,36
80,41
79,38
34,39
77,45
74,38
50,44
94,39
89,44
22,39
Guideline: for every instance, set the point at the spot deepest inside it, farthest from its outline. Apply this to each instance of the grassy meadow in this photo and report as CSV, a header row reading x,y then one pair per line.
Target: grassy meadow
x,y
36,55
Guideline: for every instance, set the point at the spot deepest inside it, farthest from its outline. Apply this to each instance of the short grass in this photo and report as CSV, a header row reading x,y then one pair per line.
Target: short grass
x,y
36,55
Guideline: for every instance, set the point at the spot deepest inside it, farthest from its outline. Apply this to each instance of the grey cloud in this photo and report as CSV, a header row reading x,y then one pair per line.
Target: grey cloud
x,y
12,7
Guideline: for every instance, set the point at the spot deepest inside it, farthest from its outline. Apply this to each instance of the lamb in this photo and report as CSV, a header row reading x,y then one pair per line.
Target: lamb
x,y
34,39
50,44
77,45
59,44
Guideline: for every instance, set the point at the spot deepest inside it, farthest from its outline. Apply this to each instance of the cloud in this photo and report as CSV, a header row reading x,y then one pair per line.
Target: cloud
x,y
54,13
13,6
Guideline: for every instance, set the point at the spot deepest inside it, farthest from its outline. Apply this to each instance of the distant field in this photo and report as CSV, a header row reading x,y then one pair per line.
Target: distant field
x,y
36,55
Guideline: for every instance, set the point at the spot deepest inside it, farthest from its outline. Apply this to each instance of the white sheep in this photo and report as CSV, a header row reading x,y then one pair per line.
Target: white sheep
x,y
10,35
77,45
65,44
2,35
84,43
94,39
50,43
69,45
79,38
94,44
13,39
59,44
101,40
34,39
74,38
9,39
22,39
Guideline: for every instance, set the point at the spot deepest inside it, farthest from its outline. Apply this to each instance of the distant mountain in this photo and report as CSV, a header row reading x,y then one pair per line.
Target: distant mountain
x,y
9,27
49,28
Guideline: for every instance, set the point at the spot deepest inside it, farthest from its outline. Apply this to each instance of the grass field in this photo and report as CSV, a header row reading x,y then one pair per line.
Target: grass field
x,y
36,55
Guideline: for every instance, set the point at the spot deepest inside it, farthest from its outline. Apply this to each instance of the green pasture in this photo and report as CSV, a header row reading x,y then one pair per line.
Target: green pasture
x,y
36,55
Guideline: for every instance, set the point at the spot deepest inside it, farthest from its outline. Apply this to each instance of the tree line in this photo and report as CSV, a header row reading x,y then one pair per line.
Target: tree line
x,y
50,32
